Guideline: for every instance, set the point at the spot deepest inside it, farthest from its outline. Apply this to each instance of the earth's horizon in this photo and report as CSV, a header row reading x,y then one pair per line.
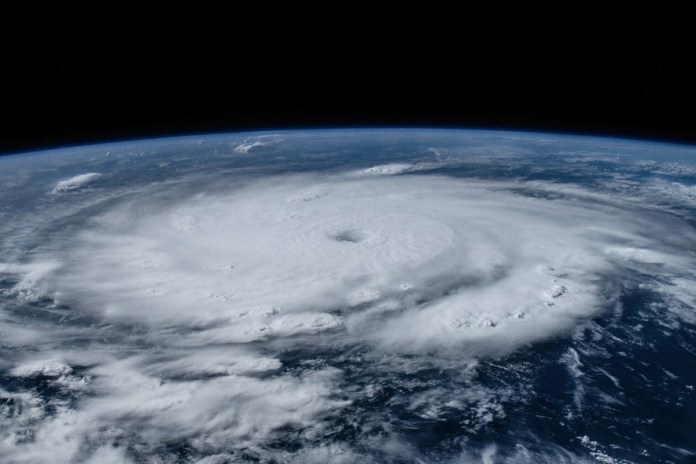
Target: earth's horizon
x,y
349,295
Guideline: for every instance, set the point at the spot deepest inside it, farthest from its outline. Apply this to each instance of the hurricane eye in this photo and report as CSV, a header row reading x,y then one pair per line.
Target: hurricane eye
x,y
350,235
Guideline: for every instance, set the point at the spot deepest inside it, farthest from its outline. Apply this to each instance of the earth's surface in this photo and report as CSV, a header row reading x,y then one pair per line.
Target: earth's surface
x,y
349,296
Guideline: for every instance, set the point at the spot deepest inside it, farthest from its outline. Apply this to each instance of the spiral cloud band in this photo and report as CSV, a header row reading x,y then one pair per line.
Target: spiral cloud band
x,y
401,263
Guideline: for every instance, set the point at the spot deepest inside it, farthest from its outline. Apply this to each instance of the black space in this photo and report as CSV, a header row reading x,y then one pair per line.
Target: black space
x,y
98,72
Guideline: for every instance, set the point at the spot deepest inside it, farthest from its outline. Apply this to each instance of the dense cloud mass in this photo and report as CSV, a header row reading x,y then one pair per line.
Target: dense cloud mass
x,y
212,318
403,264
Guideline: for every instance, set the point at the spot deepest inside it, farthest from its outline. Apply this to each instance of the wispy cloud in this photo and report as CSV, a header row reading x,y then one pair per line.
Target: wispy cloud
x,y
75,183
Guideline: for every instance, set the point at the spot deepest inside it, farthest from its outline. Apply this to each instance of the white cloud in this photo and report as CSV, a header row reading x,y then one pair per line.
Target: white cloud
x,y
254,143
50,368
389,169
473,249
398,168
75,183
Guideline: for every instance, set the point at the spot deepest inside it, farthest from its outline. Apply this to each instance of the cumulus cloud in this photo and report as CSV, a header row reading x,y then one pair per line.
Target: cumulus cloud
x,y
203,312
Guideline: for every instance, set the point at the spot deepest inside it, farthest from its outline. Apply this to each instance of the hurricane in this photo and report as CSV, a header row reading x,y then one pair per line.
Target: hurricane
x,y
349,296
